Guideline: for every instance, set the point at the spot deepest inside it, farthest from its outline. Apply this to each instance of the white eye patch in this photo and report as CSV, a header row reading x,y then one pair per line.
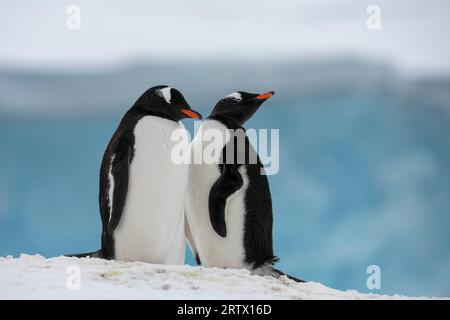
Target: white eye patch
x,y
165,92
235,95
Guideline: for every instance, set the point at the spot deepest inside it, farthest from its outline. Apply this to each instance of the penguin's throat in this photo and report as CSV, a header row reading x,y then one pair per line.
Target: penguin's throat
x,y
229,121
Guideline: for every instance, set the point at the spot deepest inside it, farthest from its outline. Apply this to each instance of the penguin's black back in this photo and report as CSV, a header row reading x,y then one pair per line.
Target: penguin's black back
x,y
121,145
258,220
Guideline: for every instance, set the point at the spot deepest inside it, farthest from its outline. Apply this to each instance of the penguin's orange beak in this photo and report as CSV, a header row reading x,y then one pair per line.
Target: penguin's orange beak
x,y
191,114
265,95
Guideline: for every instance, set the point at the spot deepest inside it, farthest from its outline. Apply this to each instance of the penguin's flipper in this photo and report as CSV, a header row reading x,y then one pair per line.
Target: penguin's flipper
x,y
119,171
228,183
190,240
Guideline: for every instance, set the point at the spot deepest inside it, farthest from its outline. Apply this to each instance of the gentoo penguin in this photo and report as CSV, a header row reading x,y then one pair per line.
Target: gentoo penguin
x,y
228,201
141,189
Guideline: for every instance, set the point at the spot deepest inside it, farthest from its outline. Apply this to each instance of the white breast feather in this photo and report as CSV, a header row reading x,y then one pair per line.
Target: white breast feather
x,y
214,250
152,225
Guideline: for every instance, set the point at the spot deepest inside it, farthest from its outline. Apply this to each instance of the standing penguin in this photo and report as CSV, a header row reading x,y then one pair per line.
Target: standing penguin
x,y
228,202
142,190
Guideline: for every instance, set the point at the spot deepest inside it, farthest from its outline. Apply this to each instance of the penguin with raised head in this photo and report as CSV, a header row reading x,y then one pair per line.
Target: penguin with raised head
x,y
142,189
228,201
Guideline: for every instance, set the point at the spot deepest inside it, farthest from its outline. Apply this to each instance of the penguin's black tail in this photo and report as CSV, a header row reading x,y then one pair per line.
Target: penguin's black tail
x,y
94,254
281,273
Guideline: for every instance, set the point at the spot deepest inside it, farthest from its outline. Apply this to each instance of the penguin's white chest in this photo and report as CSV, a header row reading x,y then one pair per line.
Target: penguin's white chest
x,y
151,228
214,250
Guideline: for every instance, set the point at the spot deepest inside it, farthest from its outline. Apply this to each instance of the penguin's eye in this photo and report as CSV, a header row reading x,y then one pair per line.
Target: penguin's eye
x,y
235,97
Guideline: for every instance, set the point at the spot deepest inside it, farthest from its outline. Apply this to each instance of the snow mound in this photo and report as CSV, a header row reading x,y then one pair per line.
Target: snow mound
x,y
35,277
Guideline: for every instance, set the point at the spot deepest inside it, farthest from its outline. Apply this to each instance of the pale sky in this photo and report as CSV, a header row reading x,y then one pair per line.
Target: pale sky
x,y
414,33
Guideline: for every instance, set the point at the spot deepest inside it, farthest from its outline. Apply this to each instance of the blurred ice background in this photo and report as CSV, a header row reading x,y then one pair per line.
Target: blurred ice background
x,y
364,119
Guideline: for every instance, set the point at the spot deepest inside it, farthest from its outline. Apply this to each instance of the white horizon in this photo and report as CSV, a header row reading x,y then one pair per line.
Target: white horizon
x,y
413,34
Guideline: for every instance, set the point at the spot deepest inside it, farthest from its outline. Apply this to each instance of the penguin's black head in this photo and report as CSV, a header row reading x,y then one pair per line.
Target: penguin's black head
x,y
236,108
166,102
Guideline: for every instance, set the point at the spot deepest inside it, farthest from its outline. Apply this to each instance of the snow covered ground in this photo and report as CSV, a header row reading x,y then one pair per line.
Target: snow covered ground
x,y
35,277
